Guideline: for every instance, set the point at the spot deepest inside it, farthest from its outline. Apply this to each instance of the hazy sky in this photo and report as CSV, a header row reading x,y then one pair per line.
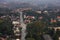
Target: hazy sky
x,y
33,1
30,0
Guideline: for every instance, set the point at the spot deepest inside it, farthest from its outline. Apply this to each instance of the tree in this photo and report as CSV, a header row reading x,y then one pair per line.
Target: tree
x,y
57,34
36,29
6,26
30,39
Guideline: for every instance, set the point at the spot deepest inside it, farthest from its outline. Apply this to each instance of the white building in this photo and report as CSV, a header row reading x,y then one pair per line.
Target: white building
x,y
15,22
39,12
59,38
45,12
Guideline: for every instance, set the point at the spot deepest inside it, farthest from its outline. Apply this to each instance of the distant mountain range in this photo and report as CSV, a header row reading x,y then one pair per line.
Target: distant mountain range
x,y
34,1
36,4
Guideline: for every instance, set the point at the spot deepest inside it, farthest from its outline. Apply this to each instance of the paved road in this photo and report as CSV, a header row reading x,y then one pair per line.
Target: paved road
x,y
23,33
47,37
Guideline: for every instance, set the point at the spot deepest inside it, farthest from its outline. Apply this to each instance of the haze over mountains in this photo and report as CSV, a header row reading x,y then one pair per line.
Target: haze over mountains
x,y
28,3
33,1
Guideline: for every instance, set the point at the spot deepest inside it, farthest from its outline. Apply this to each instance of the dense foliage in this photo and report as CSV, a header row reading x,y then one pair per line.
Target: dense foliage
x,y
36,29
5,26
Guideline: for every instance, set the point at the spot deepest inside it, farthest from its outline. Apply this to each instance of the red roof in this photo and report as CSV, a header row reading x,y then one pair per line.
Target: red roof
x,y
58,16
40,17
53,20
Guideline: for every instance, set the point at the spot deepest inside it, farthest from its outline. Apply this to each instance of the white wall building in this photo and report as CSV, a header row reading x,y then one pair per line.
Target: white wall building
x,y
15,22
